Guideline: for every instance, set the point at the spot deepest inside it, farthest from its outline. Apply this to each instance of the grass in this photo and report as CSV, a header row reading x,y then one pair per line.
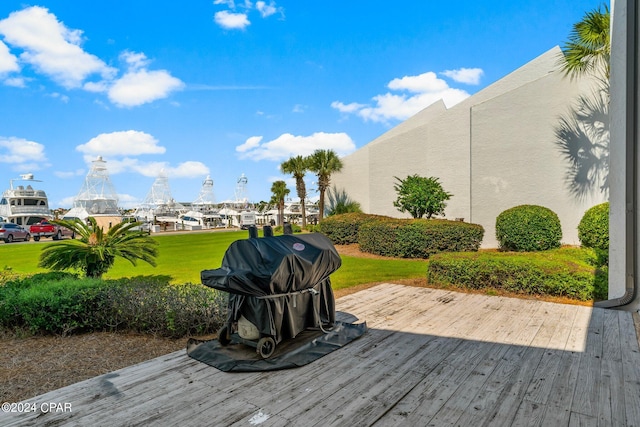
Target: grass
x,y
184,256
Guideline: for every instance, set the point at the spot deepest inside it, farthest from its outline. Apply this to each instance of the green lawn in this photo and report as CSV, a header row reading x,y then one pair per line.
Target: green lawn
x,y
184,256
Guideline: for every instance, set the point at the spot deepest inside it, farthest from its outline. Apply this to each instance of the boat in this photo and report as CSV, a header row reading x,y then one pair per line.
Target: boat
x,y
24,205
97,198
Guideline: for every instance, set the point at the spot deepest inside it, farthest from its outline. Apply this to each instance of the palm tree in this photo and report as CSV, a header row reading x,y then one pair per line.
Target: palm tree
x,y
297,166
95,252
582,134
279,190
589,46
324,163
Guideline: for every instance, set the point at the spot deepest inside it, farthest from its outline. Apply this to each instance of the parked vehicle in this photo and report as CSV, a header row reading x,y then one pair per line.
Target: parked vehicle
x,y
10,232
46,229
247,219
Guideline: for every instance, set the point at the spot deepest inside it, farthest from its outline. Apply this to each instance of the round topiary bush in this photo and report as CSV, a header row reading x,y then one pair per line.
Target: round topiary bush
x,y
593,230
528,228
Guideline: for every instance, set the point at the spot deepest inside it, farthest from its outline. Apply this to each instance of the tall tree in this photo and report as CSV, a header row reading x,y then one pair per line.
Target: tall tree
x,y
298,166
279,191
589,46
324,163
95,251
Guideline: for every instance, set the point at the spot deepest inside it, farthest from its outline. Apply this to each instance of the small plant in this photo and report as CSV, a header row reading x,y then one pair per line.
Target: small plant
x,y
95,251
528,228
340,203
420,196
593,231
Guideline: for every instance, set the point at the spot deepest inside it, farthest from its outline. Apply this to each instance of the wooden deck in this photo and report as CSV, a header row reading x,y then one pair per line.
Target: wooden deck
x,y
430,357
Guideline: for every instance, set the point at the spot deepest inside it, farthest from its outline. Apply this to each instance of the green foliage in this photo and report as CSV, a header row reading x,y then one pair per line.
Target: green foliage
x,y
593,231
343,229
280,229
324,163
418,238
528,228
297,166
66,304
279,191
566,272
340,203
589,46
94,251
420,196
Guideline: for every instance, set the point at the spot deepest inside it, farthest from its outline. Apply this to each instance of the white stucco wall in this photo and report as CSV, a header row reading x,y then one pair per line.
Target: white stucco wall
x,y
493,151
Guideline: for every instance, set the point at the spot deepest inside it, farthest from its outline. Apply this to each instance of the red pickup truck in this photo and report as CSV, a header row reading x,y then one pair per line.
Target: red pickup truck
x,y
46,229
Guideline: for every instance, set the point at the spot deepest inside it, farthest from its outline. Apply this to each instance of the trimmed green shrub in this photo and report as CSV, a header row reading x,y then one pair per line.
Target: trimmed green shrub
x,y
146,304
418,238
528,228
593,231
343,229
567,272
294,227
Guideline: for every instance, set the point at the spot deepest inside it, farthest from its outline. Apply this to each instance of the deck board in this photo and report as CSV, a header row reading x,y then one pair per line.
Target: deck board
x,y
430,357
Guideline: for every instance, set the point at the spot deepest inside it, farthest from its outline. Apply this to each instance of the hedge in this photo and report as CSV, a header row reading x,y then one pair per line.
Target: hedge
x,y
418,238
343,229
567,272
59,303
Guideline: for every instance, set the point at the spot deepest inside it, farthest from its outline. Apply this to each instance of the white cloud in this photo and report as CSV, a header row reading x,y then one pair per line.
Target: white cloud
x,y
249,144
119,148
15,82
266,9
189,169
229,3
8,62
115,166
141,86
135,60
231,21
22,154
55,51
51,48
69,174
470,76
425,89
425,82
347,108
123,143
97,87
61,97
299,108
288,145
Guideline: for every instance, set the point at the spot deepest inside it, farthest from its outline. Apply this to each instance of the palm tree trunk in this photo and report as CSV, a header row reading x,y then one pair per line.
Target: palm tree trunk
x,y
304,214
321,204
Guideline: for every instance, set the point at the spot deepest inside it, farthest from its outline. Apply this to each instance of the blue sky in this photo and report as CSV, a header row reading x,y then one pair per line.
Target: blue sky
x,y
223,87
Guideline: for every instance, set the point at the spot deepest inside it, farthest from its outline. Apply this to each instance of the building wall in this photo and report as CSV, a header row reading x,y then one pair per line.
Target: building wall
x,y
493,151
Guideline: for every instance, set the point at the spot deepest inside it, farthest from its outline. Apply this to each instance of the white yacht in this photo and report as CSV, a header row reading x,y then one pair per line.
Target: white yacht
x,y
23,205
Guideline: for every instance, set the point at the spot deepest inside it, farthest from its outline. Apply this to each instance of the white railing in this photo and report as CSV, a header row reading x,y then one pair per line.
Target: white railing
x,y
39,210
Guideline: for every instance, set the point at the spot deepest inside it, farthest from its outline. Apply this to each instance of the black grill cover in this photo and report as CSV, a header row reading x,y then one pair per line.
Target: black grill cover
x,y
268,280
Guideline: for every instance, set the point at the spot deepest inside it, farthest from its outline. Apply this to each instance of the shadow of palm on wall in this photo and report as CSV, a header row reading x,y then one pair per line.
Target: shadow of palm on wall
x,y
582,135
